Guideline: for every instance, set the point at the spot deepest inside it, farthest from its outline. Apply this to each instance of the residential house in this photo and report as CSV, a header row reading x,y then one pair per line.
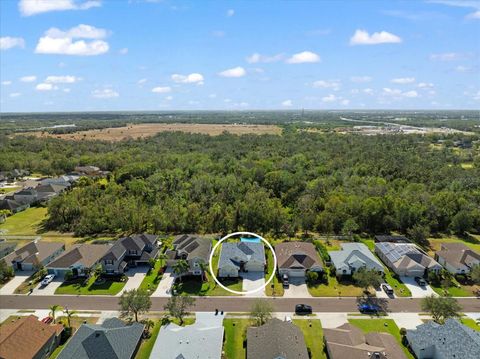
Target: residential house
x,y
352,257
79,259
296,258
241,257
450,340
203,339
393,239
12,205
349,342
193,249
34,255
114,339
6,248
276,339
405,259
24,196
130,251
27,337
457,258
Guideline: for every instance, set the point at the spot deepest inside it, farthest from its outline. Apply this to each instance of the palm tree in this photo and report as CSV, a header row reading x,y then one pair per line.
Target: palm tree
x,y
204,267
149,324
70,314
180,268
53,311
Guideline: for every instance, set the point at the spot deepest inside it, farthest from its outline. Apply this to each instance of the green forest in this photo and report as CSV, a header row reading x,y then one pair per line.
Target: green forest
x,y
298,182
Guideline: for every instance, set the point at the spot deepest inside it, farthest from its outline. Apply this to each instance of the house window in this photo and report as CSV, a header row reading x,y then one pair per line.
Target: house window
x,y
132,251
108,261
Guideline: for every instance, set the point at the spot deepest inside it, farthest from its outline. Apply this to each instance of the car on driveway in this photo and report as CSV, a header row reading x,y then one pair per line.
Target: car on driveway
x,y
387,289
48,279
285,282
303,309
420,281
368,308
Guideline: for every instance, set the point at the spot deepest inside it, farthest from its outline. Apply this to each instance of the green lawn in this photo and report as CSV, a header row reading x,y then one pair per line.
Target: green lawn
x,y
8,189
25,223
462,291
399,288
147,345
313,334
195,286
381,325
235,334
277,291
334,288
370,243
151,280
109,287
469,322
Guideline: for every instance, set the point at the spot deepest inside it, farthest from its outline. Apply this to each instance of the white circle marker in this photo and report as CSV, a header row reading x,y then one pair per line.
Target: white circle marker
x,y
236,291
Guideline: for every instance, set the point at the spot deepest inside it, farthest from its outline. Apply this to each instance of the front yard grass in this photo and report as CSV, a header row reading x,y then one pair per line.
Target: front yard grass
x,y
313,334
334,288
78,287
277,290
398,287
235,335
381,325
153,277
462,291
469,322
195,286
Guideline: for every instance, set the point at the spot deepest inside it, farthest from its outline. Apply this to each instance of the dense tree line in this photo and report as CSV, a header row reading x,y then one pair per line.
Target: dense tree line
x,y
177,182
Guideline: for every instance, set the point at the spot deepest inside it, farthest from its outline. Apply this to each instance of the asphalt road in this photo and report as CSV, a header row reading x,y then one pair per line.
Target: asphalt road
x,y
229,304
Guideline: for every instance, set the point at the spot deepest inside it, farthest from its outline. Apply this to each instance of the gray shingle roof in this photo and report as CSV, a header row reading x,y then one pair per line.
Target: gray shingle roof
x,y
193,246
243,251
353,252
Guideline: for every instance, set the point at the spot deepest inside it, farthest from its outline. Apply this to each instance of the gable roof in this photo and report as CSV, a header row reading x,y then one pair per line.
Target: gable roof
x,y
352,253
458,254
84,254
24,337
297,254
10,204
276,339
34,252
234,253
112,340
137,242
193,246
403,255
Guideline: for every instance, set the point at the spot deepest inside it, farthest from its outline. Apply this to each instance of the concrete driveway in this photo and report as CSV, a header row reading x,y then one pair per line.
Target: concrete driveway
x,y
380,293
135,277
252,281
417,291
163,289
49,289
406,320
297,289
332,320
20,277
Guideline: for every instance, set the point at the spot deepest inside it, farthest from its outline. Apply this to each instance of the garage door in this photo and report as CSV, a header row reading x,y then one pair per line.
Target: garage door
x,y
295,273
415,273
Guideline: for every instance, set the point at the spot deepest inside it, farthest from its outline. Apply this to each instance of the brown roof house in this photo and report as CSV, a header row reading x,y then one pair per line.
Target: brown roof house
x,y
276,339
296,258
349,342
457,258
27,337
191,248
79,259
34,255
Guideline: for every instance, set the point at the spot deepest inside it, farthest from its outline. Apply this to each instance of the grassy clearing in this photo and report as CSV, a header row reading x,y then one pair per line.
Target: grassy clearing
x,y
381,325
334,288
78,287
277,290
313,334
235,335
25,223
153,277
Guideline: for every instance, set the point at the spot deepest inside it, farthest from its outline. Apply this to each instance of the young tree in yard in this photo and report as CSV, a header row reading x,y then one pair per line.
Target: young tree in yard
x,y
261,311
180,267
312,277
177,306
475,274
204,267
53,311
162,257
441,308
135,301
366,278
70,314
6,271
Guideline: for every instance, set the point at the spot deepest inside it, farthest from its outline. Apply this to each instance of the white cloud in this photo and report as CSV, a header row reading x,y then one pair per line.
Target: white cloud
x,y
67,90
368,91
362,37
234,72
474,15
359,79
476,96
304,57
141,81
257,58
411,93
169,98
188,79
8,42
330,98
446,56
31,78
162,89
62,79
472,4
403,80
56,41
6,83
105,93
397,94
287,103
333,84
33,7
45,87
123,51
461,68
230,12
345,102
212,95
15,94
425,85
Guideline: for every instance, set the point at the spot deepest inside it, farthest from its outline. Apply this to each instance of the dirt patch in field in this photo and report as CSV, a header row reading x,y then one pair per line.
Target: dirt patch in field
x,y
150,129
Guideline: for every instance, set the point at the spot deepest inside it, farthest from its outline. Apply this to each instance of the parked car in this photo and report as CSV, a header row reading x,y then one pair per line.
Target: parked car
x,y
420,281
48,279
285,282
387,289
368,308
303,309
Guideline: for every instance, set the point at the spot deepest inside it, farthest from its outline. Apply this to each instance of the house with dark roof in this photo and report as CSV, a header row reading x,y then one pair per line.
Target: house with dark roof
x,y
457,258
130,251
447,341
12,205
241,257
6,248
349,342
194,249
405,259
276,339
294,259
113,339
79,259
34,255
27,337
352,257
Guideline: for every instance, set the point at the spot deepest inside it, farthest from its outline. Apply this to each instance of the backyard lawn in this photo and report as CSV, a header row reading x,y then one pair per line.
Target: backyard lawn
x,y
313,334
151,280
334,288
108,287
473,242
235,334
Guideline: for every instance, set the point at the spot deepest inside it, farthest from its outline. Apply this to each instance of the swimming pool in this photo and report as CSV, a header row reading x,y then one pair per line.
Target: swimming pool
x,y
250,240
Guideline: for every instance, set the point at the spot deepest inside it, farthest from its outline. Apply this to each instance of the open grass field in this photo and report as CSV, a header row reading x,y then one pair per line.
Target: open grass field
x,y
235,334
313,334
109,287
150,129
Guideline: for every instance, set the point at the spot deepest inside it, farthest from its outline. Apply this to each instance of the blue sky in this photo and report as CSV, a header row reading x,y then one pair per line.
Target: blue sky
x,y
82,55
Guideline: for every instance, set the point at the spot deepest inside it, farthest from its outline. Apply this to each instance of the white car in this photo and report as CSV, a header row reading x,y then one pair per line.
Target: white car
x,y
47,279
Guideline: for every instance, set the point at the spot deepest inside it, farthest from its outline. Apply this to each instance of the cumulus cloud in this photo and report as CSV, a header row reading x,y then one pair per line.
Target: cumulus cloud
x,y
396,93
123,51
333,84
330,98
425,85
304,57
15,94
474,15
188,79
359,79
45,87
287,103
105,93
8,42
403,80
62,79
362,37
411,93
446,56
56,41
234,72
6,83
162,89
141,81
258,58
33,7
230,12
31,78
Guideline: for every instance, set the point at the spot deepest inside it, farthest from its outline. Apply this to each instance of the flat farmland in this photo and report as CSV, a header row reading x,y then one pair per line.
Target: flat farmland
x,y
135,131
